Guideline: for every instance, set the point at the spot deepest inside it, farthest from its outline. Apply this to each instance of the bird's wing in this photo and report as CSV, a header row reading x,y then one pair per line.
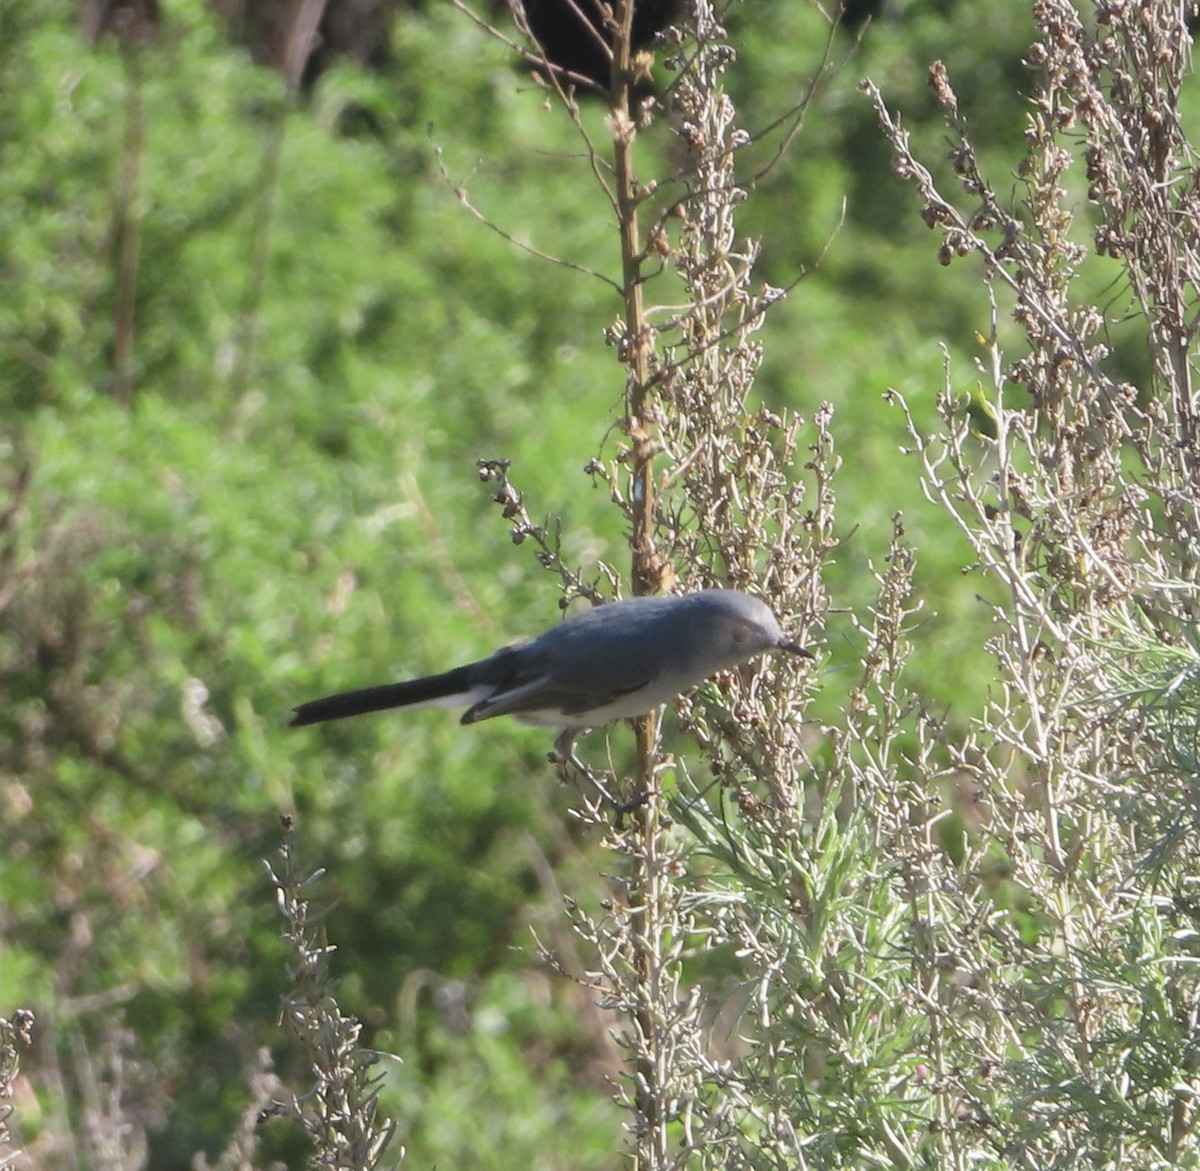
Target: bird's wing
x,y
532,695
580,702
544,695
537,683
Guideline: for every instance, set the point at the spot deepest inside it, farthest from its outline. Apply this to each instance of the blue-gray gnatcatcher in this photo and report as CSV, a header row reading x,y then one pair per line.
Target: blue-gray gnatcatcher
x,y
608,663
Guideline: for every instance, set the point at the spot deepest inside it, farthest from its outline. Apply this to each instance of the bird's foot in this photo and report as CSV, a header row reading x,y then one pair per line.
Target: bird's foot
x,y
631,806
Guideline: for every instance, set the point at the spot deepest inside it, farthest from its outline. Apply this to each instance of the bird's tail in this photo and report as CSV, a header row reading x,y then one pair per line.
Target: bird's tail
x,y
452,688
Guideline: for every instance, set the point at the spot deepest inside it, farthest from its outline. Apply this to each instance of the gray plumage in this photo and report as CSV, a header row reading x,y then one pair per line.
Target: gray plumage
x,y
611,662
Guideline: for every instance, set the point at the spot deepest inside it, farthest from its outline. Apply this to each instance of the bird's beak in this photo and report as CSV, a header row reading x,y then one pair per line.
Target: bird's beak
x,y
794,648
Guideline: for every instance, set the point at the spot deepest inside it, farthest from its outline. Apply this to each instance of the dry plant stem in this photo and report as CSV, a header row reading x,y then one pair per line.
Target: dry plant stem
x,y
547,540
653,980
646,894
729,509
1079,501
732,516
16,1035
558,76
242,1149
562,81
961,238
637,340
463,197
793,119
638,968
339,1111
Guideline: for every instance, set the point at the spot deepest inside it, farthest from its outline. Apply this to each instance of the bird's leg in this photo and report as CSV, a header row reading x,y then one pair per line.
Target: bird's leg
x,y
564,754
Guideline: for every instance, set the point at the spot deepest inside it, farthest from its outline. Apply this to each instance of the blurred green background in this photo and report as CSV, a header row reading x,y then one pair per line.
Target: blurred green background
x,y
267,491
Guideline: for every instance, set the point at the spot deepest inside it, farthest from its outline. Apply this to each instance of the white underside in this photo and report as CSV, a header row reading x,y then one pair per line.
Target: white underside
x,y
627,707
459,699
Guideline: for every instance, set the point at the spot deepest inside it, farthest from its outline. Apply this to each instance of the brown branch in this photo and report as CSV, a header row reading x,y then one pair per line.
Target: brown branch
x,y
461,194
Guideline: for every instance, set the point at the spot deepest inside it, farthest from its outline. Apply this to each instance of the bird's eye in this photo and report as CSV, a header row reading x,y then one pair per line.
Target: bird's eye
x,y
739,633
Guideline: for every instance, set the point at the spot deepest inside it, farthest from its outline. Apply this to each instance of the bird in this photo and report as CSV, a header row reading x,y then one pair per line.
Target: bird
x,y
615,661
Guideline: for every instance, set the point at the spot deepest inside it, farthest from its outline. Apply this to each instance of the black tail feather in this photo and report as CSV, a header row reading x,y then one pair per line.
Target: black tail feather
x,y
389,695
